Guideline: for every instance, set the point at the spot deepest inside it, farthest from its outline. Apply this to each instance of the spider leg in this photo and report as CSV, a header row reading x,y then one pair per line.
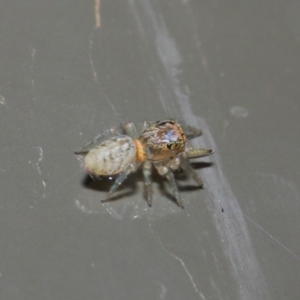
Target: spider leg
x,y
145,125
119,180
189,170
96,140
193,153
147,171
164,171
129,129
191,132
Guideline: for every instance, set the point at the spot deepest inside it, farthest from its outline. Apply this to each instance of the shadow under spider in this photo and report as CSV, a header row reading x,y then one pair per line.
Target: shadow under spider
x,y
180,175
103,184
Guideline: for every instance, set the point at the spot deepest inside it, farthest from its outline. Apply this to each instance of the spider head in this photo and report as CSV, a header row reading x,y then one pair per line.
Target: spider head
x,y
163,140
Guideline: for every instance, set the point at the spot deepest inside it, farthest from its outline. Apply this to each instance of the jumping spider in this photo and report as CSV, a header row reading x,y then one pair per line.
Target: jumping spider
x,y
163,144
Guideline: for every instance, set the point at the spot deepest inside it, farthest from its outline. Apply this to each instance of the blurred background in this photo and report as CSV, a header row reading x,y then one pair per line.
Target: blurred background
x,y
70,69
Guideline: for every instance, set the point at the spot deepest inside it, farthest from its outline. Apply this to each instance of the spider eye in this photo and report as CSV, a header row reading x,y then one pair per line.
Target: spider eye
x,y
165,122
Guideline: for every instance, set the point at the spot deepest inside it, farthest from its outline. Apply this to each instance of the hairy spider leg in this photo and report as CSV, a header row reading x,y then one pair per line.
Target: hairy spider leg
x,y
129,169
166,172
184,164
145,125
190,132
129,129
97,140
147,172
193,153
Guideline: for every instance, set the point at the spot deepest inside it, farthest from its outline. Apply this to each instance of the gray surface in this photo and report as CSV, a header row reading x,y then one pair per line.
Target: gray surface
x,y
69,70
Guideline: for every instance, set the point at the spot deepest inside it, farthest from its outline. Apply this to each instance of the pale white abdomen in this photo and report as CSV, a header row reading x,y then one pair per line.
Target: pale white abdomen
x,y
111,156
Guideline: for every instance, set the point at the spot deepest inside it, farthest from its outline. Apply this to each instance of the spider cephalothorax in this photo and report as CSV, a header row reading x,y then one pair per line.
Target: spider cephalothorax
x,y
162,140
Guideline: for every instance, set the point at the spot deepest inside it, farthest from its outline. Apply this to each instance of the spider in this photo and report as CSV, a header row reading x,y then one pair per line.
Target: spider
x,y
163,145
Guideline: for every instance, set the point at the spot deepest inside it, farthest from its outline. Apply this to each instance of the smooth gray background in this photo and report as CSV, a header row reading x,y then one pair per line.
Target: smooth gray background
x,y
70,69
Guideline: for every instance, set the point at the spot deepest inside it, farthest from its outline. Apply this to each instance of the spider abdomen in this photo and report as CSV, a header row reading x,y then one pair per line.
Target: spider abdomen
x,y
111,156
